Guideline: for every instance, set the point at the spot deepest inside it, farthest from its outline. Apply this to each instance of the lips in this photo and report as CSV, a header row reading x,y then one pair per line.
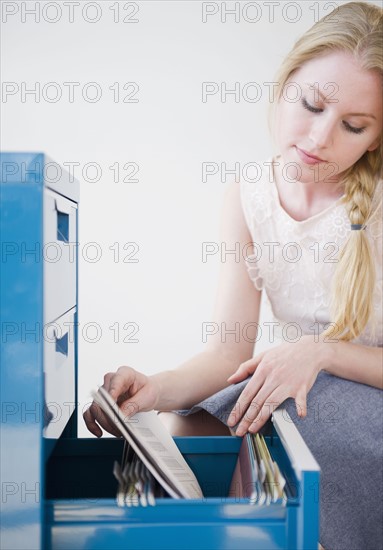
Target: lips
x,y
312,156
308,157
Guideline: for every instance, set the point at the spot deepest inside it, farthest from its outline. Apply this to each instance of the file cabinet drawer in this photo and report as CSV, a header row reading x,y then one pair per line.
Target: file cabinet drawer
x,y
83,513
59,374
60,255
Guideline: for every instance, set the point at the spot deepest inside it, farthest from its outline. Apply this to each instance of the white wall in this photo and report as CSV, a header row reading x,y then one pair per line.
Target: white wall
x,y
169,52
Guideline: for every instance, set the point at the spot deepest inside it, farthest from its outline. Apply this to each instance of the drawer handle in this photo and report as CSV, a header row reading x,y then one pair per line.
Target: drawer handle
x,y
63,211
62,345
61,342
62,227
62,206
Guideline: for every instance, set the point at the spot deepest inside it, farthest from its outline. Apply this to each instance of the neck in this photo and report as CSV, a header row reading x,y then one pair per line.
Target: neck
x,y
302,200
306,193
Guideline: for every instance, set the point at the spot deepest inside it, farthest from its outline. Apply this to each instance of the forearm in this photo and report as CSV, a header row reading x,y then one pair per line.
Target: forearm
x,y
202,375
355,362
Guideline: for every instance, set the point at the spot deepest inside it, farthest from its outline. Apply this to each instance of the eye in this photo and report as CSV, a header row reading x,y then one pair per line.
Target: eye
x,y
353,129
348,126
310,107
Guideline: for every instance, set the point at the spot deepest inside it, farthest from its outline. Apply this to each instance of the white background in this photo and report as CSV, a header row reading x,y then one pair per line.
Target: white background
x,y
169,133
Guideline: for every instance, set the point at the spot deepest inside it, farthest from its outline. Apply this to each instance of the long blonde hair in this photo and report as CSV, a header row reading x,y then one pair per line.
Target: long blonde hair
x,y
356,28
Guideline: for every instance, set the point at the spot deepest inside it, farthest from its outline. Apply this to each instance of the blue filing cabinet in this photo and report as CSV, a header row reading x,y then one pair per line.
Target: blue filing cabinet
x,y
58,491
38,345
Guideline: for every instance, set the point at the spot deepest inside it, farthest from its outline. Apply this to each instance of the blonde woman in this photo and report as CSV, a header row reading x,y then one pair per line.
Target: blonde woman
x,y
313,217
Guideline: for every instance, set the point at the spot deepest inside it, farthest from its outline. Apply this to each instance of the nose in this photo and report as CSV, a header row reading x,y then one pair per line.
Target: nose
x,y
322,132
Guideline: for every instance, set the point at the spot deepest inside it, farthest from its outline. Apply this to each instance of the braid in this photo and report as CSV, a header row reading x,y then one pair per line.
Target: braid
x,y
354,280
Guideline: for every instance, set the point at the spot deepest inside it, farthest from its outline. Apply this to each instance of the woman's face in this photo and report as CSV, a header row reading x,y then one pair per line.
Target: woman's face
x,y
328,126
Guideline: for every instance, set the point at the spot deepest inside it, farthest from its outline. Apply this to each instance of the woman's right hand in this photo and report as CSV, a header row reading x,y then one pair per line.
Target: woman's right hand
x,y
132,391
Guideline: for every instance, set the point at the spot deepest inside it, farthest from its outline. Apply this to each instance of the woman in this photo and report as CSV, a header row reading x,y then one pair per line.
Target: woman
x,y
318,202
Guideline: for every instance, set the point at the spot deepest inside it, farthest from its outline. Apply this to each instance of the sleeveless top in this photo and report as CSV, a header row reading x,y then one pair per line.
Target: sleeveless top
x,y
294,261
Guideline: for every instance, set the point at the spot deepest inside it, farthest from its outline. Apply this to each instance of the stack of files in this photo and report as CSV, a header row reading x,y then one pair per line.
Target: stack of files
x,y
158,455
257,476
153,467
136,485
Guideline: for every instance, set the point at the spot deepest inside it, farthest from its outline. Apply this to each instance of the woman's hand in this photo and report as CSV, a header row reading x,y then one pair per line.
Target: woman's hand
x,y
133,392
288,370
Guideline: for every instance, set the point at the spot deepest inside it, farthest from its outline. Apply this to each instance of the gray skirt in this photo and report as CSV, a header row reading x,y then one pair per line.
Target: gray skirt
x,y
344,431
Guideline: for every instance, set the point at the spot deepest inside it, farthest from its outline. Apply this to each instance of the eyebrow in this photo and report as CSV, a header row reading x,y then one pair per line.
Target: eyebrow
x,y
313,85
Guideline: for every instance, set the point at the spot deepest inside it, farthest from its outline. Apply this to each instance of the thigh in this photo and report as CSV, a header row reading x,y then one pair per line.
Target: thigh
x,y
200,423
343,429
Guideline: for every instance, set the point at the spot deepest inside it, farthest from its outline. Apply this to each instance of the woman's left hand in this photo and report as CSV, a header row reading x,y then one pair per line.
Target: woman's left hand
x,y
288,370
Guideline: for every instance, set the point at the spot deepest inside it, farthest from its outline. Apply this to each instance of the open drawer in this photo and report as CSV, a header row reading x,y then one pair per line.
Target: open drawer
x,y
81,510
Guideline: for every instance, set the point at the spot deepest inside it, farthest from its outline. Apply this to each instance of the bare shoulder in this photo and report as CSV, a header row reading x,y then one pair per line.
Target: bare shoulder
x,y
237,304
233,221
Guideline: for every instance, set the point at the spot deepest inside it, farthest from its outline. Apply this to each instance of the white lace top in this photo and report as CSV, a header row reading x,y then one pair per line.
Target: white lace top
x,y
294,261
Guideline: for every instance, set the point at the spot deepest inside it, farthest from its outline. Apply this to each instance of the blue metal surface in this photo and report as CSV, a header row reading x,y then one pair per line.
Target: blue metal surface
x,y
83,515
22,184
21,351
308,515
210,525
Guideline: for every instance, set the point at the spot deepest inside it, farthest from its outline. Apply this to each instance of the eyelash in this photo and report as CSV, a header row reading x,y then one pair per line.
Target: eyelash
x,y
349,128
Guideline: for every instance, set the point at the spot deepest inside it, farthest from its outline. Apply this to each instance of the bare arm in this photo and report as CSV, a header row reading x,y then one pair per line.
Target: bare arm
x,y
236,301
355,362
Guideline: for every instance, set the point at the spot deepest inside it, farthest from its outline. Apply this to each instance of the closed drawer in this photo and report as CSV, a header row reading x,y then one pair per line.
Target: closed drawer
x,y
59,374
83,512
59,255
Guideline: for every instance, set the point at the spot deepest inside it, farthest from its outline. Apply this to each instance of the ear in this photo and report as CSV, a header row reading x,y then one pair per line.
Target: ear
x,y
374,145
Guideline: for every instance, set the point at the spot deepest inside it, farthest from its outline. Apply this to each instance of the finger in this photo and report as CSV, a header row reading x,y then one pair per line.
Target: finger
x,y
301,402
107,378
120,382
119,385
130,408
245,369
142,400
244,400
91,424
100,417
257,416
